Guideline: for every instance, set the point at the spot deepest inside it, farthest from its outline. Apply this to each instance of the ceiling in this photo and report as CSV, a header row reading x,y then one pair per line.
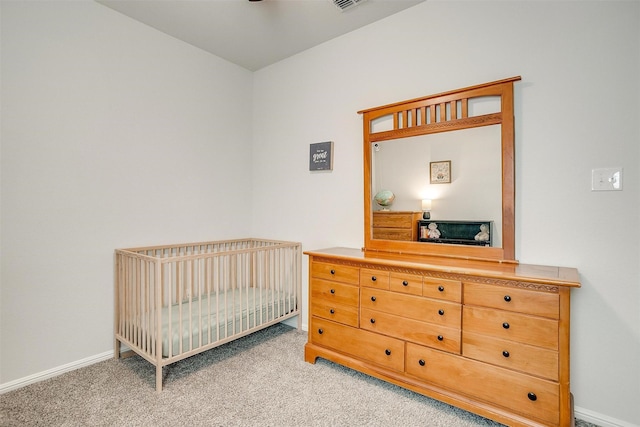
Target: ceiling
x,y
255,34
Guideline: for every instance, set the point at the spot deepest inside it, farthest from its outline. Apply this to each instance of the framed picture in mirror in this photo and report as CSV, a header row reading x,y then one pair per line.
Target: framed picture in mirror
x,y
440,172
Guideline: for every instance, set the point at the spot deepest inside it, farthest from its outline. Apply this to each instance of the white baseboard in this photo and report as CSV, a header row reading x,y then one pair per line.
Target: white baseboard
x,y
31,379
600,419
293,322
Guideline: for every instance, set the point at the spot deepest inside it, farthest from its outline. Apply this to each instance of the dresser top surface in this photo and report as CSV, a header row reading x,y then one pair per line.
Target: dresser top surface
x,y
562,276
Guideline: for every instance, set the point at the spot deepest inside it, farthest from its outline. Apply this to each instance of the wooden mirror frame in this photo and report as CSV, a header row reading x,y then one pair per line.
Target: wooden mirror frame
x,y
437,113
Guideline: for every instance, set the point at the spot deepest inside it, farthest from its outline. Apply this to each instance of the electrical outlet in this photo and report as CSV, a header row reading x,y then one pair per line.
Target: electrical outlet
x,y
606,179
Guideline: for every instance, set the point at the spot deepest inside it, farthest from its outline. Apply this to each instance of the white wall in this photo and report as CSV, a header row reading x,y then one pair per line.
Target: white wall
x,y
113,135
577,107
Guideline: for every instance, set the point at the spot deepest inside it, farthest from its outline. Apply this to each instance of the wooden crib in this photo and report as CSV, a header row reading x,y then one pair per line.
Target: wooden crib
x,y
172,302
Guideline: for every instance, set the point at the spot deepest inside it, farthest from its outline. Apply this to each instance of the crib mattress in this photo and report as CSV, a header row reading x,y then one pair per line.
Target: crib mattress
x,y
213,317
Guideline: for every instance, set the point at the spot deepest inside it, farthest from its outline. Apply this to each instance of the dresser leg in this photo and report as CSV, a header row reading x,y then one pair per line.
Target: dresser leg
x,y
310,355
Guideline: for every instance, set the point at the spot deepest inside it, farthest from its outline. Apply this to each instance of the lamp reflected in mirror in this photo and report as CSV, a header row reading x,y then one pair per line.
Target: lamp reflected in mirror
x,y
426,209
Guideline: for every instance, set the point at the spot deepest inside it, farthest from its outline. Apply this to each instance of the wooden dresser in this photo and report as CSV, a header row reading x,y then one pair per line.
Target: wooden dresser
x,y
491,338
396,225
465,324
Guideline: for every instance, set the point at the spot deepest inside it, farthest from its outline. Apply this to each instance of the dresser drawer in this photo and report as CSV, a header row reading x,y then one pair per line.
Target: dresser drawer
x,y
347,314
392,234
429,334
413,307
406,283
538,303
450,290
536,331
534,397
383,219
339,273
532,360
374,278
334,292
365,345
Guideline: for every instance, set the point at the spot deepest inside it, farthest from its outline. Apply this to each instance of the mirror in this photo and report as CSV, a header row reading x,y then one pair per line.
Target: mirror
x,y
475,191
470,133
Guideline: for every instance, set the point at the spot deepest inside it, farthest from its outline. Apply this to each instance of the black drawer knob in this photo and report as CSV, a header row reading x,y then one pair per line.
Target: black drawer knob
x,y
505,325
373,299
321,331
405,283
505,353
333,291
387,352
440,337
421,362
532,396
332,311
374,278
507,298
333,272
373,320
441,312
441,288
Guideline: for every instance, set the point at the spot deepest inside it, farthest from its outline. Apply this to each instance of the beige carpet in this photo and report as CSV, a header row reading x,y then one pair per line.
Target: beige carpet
x,y
259,380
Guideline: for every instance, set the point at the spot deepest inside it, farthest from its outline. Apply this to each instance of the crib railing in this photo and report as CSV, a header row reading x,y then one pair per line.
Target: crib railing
x,y
172,302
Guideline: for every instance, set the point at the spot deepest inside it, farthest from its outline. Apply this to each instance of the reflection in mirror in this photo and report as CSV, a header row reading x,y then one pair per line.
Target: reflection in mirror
x,y
475,191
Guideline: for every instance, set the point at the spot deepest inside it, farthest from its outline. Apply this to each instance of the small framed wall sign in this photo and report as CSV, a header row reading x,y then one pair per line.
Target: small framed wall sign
x,y
321,156
440,172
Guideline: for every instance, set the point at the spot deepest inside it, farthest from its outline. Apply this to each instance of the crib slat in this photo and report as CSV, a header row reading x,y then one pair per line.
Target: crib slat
x,y
179,287
209,290
244,281
234,286
169,284
198,284
189,284
136,302
148,305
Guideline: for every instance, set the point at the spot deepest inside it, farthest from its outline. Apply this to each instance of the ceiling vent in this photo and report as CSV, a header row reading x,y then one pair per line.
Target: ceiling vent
x,y
346,4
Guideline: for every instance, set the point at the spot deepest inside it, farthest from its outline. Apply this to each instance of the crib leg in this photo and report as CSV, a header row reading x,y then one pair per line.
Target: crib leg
x,y
116,349
158,378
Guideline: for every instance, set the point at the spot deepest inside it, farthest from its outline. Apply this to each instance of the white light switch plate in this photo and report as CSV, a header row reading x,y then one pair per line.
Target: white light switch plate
x,y
606,179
